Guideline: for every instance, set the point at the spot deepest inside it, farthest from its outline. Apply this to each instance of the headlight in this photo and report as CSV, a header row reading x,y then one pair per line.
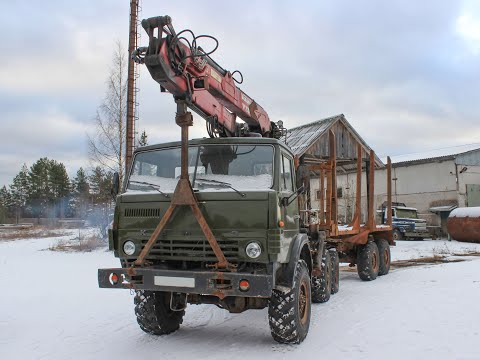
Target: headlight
x,y
129,247
253,250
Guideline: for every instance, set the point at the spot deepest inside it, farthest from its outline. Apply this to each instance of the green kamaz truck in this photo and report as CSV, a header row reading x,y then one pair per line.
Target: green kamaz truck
x,y
228,220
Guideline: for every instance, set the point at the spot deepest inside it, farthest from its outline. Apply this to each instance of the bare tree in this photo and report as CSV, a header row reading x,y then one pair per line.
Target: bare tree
x,y
106,146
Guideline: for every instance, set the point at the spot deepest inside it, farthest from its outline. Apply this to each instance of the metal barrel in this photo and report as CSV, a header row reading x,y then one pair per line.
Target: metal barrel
x,y
463,224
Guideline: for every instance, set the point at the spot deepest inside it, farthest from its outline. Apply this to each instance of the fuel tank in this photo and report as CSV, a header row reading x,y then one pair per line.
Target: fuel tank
x,y
463,224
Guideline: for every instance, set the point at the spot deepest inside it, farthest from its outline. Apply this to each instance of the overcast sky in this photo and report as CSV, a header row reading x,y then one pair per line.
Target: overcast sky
x,y
406,74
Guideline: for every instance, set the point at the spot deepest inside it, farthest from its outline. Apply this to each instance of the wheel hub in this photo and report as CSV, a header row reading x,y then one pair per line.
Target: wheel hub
x,y
374,262
303,302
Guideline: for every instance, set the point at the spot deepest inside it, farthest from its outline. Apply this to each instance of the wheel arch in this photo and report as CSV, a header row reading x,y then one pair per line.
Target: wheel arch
x,y
299,251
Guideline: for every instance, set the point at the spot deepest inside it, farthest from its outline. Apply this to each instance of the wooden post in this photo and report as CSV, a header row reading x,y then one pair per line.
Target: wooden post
x,y
322,197
389,191
358,192
333,160
371,192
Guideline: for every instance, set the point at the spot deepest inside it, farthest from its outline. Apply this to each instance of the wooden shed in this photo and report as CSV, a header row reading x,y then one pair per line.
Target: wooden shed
x,y
311,141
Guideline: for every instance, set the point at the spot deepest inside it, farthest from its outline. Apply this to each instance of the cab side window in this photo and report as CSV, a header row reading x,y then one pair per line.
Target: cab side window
x,y
286,180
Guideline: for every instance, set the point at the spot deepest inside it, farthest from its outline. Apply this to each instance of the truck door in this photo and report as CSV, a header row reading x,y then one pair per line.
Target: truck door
x,y
290,213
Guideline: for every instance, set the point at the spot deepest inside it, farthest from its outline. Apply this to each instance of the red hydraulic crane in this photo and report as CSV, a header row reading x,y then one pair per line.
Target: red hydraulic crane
x,y
191,75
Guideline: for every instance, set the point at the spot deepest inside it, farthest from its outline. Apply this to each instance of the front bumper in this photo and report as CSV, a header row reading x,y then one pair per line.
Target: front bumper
x,y
216,283
416,234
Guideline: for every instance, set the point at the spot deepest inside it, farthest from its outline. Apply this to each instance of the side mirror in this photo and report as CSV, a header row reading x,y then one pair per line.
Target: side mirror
x,y
289,199
115,185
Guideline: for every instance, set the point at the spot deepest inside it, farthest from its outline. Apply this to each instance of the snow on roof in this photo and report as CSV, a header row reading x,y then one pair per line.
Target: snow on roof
x,y
466,212
405,208
300,138
433,154
444,208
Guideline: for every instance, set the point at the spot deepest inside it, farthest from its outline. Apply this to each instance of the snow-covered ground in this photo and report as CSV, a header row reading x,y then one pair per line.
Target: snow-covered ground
x,y
51,308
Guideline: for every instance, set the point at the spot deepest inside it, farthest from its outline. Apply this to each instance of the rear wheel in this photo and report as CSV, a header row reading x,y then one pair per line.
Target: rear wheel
x,y
383,256
289,313
368,261
322,284
335,264
153,312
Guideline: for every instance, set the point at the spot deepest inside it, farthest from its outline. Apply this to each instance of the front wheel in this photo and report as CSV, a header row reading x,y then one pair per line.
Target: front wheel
x,y
153,312
397,235
289,313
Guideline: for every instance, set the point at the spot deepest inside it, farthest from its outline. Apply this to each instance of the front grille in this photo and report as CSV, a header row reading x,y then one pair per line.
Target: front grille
x,y
142,212
190,249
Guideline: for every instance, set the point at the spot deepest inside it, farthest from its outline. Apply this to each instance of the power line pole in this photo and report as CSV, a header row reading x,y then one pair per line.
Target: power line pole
x,y
132,45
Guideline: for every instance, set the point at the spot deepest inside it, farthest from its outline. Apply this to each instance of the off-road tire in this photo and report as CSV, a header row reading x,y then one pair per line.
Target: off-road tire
x,y
397,235
322,284
383,256
335,264
368,261
289,313
153,312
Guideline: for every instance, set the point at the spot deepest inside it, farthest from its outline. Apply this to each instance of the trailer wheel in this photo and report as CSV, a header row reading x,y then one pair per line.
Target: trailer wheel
x,y
335,261
289,313
383,256
153,312
397,235
368,261
322,285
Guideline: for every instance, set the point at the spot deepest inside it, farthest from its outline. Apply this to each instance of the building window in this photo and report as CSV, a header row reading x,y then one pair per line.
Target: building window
x,y
339,192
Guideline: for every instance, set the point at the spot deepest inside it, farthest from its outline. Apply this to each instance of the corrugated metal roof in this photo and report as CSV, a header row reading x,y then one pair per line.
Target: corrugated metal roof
x,y
436,154
300,138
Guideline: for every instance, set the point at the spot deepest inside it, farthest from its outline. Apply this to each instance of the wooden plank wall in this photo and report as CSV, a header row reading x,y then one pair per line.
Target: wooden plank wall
x,y
346,143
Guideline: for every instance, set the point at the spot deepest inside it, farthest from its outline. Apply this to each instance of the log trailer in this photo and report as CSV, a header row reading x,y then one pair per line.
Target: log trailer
x,y
227,220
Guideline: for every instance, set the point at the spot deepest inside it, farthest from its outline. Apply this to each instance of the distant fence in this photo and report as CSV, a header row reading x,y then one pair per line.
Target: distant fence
x,y
49,222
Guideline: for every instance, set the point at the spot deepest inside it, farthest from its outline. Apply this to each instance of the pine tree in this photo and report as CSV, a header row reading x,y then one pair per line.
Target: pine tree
x,y
60,187
81,194
40,194
143,141
80,183
100,185
96,182
5,200
19,191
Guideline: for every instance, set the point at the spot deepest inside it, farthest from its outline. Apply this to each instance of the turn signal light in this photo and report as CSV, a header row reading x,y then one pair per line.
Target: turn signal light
x,y
113,278
244,285
281,224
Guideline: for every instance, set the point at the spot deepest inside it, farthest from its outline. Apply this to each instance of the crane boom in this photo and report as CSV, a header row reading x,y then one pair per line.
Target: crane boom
x,y
190,74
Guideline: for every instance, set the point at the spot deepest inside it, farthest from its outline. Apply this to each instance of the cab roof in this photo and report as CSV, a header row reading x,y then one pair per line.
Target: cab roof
x,y
218,141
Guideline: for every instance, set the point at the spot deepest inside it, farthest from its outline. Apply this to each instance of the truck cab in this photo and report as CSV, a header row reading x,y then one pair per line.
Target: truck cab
x,y
405,222
239,184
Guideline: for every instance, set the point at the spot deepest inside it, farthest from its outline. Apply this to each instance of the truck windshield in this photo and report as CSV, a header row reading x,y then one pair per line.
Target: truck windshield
x,y
210,168
406,214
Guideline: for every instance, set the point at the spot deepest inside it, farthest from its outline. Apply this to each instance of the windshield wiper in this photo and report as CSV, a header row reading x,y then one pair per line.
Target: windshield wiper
x,y
222,183
152,186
